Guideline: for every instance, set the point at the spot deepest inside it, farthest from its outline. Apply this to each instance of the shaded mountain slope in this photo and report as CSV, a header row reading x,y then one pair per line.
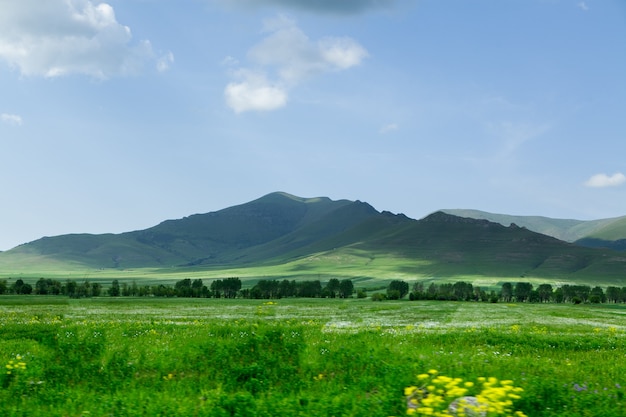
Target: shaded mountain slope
x,y
281,229
607,233
480,247
215,236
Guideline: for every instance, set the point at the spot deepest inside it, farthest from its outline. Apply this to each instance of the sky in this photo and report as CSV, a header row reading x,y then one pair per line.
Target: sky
x,y
117,115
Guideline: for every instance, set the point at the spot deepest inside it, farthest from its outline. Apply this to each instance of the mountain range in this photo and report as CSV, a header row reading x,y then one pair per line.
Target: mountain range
x,y
282,229
602,233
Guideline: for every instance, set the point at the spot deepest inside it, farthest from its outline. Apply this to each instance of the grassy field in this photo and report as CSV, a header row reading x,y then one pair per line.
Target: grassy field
x,y
301,357
365,269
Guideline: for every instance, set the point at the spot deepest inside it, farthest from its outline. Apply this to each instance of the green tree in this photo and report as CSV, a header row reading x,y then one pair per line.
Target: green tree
x,y
597,295
522,291
183,288
287,288
197,288
346,288
400,286
71,288
96,289
231,287
462,290
506,293
310,289
545,292
114,291
41,286
332,288
613,294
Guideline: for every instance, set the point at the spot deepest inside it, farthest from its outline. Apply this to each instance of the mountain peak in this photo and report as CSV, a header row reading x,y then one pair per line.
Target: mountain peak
x,y
283,196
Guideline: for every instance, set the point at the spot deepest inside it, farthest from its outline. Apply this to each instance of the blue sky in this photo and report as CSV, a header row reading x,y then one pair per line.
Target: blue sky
x,y
117,115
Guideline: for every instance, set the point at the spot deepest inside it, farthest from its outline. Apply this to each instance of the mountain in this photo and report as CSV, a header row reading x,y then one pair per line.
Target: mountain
x,y
320,236
216,237
603,233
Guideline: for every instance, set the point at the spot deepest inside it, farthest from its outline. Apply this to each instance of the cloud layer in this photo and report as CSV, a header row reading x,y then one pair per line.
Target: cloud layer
x,y
604,180
343,7
58,37
290,57
11,119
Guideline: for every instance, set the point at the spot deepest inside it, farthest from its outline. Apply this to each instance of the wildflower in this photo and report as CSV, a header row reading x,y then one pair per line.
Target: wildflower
x,y
440,395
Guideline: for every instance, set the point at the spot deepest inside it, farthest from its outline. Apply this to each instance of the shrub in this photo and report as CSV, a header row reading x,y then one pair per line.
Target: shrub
x,y
379,296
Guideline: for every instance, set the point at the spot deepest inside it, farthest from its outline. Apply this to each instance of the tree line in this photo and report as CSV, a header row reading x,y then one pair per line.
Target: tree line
x,y
510,292
219,288
334,288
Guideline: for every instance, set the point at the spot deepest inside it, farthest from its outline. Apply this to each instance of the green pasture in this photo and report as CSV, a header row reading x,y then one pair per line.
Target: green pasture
x,y
365,268
299,357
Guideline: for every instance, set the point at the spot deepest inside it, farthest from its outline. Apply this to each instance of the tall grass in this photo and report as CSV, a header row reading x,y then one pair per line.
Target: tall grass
x,y
121,357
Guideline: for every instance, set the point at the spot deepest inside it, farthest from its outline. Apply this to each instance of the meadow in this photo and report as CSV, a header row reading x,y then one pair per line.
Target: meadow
x,y
299,357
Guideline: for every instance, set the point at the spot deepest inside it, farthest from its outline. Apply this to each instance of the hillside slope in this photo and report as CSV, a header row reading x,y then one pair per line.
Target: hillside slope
x,y
281,229
607,233
215,236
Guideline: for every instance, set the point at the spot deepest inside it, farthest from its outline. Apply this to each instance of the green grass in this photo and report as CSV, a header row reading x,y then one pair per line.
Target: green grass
x,y
199,357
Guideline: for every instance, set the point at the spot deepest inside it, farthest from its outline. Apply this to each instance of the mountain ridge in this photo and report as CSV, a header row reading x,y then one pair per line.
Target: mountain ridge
x,y
280,229
601,233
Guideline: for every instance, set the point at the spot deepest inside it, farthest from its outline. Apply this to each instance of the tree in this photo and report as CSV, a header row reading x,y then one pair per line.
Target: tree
x,y
613,294
401,287
114,291
310,289
96,289
462,290
597,295
544,291
41,286
506,292
197,288
70,288
183,288
287,288
217,287
346,288
231,287
522,291
332,287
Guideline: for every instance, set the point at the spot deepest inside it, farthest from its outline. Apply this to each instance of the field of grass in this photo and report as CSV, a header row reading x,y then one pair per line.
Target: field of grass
x,y
365,268
300,357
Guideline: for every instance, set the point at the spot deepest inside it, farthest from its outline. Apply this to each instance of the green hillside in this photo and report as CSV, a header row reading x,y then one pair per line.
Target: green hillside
x,y
569,230
216,237
283,236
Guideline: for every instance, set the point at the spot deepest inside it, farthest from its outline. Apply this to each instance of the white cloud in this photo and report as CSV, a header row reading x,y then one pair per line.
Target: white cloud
x,y
604,180
165,62
513,136
58,37
12,119
583,6
389,128
288,52
254,92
